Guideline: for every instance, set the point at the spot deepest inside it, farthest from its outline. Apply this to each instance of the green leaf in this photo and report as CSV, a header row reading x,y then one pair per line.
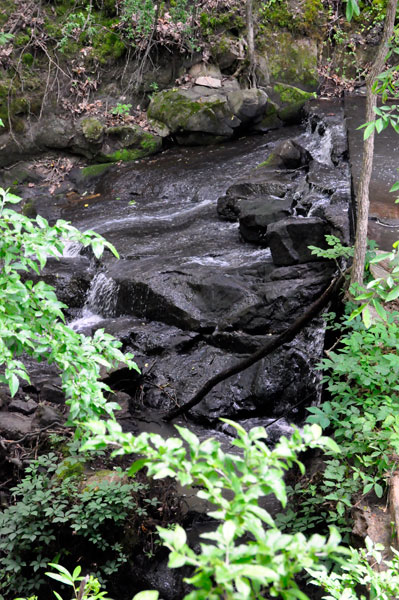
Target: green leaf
x,y
13,384
379,491
63,578
146,595
366,316
369,130
228,530
395,187
176,560
137,465
393,294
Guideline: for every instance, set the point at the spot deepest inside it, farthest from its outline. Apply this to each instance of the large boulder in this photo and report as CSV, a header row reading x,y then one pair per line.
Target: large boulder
x,y
289,239
208,112
194,111
291,101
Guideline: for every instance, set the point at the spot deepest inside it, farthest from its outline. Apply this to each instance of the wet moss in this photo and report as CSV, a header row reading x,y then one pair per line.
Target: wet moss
x,y
92,129
95,170
27,59
108,47
126,155
149,143
291,95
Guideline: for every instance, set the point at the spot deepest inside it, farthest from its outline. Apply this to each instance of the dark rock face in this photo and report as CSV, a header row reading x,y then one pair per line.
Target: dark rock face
x,y
289,239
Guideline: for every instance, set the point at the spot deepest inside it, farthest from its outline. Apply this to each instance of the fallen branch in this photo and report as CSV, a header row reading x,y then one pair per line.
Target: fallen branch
x,y
287,336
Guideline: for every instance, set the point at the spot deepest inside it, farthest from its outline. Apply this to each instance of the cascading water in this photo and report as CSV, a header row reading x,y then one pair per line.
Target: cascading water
x,y
100,302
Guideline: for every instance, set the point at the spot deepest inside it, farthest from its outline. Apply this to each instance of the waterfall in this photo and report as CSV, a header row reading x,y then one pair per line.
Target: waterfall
x,y
72,249
100,302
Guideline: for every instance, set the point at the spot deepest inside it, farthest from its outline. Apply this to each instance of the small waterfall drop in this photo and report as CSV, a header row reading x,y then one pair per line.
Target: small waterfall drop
x,y
72,249
100,302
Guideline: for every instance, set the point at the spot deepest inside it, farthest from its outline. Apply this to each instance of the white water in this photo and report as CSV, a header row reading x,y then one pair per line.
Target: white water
x,y
100,302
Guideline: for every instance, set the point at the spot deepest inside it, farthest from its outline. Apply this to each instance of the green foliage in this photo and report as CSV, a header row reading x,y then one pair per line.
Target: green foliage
x,y
335,251
53,517
31,317
79,26
85,588
227,567
140,23
382,290
121,110
362,413
358,578
5,38
138,17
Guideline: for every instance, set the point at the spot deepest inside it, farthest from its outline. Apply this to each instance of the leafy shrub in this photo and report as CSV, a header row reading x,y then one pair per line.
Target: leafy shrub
x,y
247,556
31,318
53,517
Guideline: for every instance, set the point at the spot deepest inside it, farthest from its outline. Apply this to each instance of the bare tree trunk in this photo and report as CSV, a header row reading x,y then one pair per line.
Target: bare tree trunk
x,y
362,196
251,42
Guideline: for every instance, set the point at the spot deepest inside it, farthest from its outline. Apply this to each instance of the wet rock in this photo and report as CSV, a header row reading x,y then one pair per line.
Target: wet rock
x,y
289,154
289,239
127,142
14,425
192,299
50,392
323,178
247,105
70,277
257,215
47,415
25,407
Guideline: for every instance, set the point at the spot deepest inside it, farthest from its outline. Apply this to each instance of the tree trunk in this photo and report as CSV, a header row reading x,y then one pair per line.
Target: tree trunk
x,y
362,195
251,42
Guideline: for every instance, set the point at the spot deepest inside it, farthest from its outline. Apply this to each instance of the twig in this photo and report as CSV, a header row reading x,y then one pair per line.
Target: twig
x,y
34,433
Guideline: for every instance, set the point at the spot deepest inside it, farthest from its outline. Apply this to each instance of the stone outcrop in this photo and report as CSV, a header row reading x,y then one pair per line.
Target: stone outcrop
x,y
88,137
208,113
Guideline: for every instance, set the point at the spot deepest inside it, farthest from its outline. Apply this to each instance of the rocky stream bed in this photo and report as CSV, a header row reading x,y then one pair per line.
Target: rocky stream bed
x,y
214,262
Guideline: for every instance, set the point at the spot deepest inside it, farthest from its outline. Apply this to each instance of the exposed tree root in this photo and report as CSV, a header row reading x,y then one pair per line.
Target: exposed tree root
x,y
287,336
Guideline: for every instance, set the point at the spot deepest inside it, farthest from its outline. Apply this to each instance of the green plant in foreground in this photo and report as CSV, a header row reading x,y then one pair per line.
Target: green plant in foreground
x,y
358,579
247,555
55,514
85,588
31,317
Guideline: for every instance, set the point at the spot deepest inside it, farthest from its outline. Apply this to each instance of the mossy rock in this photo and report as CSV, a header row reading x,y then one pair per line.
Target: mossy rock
x,y
291,101
183,111
70,467
94,170
128,143
93,129
290,59
92,480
